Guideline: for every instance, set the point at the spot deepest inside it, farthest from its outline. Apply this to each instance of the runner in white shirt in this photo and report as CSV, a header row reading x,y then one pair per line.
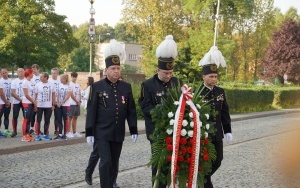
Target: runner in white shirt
x,y
56,82
63,107
28,103
5,103
17,94
35,79
45,97
75,102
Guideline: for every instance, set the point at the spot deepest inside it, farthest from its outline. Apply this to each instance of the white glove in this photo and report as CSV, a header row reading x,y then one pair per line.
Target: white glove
x,y
90,140
134,137
228,137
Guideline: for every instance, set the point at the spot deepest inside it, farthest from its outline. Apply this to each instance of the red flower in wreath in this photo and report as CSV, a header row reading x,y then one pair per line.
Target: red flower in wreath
x,y
177,168
188,160
205,151
169,158
169,147
183,150
168,140
205,157
200,168
180,158
206,141
192,141
183,141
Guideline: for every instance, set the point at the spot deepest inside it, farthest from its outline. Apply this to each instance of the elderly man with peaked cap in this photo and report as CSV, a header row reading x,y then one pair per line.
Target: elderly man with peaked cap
x,y
155,88
109,105
217,100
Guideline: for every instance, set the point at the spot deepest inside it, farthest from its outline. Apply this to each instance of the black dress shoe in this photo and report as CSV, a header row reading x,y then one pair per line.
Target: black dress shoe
x,y
88,179
115,185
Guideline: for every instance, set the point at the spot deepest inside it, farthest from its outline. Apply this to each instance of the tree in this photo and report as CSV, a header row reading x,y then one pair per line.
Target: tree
x,y
122,33
150,23
283,54
30,32
79,58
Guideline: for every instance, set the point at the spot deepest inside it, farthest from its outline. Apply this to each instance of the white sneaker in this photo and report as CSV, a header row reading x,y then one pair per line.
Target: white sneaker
x,y
77,134
70,135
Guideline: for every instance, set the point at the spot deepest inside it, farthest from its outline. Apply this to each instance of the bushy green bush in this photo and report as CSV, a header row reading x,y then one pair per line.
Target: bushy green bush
x,y
136,89
287,97
242,100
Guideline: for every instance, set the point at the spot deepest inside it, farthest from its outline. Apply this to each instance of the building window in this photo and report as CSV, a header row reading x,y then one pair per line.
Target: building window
x,y
133,57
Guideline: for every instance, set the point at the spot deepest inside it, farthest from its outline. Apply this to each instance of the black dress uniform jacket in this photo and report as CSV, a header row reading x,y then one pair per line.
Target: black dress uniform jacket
x,y
152,91
217,100
109,105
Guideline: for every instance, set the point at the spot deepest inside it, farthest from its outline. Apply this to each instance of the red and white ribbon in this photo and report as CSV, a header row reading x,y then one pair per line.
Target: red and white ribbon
x,y
179,115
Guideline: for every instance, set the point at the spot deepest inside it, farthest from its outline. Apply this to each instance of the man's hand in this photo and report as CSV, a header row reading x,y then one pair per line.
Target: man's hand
x,y
90,140
228,137
134,137
7,104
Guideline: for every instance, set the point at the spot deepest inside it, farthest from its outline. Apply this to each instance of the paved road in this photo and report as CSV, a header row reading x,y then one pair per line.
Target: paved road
x,y
249,161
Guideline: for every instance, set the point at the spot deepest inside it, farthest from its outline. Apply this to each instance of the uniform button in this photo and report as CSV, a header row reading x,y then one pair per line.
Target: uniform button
x,y
117,104
117,108
115,95
117,117
115,90
117,113
116,121
116,99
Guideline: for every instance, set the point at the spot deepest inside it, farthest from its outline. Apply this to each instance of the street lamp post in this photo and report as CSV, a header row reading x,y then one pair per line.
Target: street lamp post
x,y
92,33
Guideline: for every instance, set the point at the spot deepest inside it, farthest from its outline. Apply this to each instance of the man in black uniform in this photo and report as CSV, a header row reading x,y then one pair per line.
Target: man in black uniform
x,y
110,104
155,88
215,96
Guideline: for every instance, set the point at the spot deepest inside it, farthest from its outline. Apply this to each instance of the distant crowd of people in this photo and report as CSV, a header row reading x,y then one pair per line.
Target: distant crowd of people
x,y
39,95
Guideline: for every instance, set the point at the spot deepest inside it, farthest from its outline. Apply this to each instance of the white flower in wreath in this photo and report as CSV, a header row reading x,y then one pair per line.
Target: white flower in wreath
x,y
176,103
191,124
183,132
190,133
198,106
169,131
207,116
207,126
185,123
170,114
206,134
172,121
200,123
191,114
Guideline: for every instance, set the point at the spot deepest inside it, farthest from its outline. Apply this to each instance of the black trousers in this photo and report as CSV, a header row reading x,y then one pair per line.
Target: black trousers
x,y
57,118
216,164
32,120
16,111
47,115
6,111
61,118
93,160
109,153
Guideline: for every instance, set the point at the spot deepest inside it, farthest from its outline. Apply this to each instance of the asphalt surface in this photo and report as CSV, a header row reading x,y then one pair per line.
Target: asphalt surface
x,y
12,145
62,163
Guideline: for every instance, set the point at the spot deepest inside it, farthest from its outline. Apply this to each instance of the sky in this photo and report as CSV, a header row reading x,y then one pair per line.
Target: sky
x,y
78,11
109,11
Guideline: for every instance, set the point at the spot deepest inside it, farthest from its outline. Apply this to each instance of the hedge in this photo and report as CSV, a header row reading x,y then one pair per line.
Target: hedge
x,y
249,99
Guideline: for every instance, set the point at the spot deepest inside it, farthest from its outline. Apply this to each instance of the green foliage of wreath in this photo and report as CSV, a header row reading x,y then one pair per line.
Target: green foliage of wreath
x,y
162,138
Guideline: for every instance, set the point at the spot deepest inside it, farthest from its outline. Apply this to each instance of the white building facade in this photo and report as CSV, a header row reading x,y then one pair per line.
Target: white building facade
x,y
133,55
